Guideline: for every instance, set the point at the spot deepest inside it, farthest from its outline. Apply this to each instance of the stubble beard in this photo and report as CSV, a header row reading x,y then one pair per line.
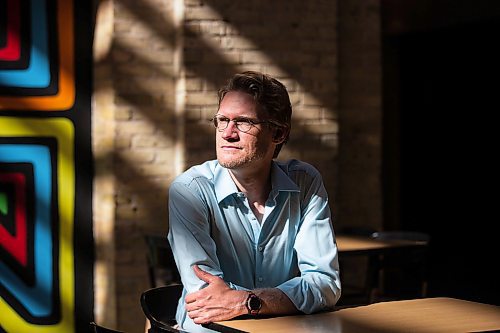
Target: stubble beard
x,y
237,162
250,153
242,158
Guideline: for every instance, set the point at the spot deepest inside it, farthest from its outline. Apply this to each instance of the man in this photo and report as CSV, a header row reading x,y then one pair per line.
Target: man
x,y
251,235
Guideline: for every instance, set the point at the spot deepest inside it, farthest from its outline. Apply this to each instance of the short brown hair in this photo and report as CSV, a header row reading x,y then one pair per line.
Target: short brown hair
x,y
270,95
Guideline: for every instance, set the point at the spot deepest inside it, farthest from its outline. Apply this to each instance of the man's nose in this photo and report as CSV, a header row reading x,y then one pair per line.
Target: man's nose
x,y
230,131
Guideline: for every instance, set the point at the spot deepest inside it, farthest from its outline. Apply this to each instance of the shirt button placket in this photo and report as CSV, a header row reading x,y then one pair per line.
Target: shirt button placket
x,y
258,271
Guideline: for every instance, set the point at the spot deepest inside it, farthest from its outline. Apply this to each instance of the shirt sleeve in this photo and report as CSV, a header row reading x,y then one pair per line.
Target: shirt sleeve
x,y
318,286
189,235
189,238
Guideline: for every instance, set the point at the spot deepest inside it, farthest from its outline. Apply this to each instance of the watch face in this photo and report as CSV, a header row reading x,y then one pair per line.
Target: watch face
x,y
255,303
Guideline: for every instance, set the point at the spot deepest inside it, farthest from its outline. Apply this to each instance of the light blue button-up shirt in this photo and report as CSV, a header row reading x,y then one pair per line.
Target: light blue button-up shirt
x,y
293,249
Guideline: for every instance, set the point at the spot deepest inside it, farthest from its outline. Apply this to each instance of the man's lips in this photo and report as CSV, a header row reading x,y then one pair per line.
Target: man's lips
x,y
230,147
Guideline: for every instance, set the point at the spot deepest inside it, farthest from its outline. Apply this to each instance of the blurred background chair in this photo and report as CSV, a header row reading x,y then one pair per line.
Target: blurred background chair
x,y
161,264
357,272
94,328
401,274
159,305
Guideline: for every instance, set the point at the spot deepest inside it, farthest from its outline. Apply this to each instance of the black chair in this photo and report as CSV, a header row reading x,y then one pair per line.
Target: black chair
x,y
161,264
94,328
402,274
159,305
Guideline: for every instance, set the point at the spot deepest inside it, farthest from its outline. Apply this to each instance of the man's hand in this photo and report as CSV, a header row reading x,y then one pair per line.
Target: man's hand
x,y
215,302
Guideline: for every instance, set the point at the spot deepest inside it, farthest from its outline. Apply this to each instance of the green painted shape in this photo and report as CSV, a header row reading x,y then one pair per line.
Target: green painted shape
x,y
4,204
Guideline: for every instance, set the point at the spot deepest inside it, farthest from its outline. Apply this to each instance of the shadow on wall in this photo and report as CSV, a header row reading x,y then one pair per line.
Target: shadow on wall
x,y
295,50
290,47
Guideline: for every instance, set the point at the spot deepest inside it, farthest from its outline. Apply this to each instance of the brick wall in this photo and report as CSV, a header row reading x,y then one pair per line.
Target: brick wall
x,y
144,75
166,62
295,41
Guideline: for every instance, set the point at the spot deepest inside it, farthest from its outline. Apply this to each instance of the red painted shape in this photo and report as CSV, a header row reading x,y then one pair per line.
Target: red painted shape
x,y
16,244
12,49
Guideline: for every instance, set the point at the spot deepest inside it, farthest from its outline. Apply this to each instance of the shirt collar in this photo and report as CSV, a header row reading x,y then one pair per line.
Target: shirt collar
x,y
281,181
225,186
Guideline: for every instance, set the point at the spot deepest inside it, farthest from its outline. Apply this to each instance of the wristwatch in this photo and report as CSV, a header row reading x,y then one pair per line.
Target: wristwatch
x,y
254,304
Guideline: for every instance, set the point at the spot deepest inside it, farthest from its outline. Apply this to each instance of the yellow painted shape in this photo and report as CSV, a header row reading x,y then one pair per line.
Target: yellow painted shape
x,y
63,130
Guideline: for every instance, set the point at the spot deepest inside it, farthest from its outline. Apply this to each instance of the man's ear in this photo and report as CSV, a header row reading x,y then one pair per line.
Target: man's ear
x,y
279,135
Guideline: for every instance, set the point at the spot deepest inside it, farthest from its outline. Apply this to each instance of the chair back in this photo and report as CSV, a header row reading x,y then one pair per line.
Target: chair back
x,y
94,328
161,264
160,305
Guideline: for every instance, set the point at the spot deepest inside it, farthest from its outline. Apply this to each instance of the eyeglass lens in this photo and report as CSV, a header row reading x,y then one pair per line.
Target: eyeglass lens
x,y
221,123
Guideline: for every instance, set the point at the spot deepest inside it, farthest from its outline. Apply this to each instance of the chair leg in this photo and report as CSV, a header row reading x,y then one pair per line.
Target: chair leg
x,y
372,283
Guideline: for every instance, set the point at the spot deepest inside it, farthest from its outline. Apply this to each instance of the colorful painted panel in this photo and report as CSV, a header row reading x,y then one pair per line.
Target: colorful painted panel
x,y
41,150
46,243
37,56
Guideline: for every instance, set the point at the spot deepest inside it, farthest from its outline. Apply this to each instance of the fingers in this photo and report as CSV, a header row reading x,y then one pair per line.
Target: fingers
x,y
204,316
204,276
197,312
192,297
198,316
193,307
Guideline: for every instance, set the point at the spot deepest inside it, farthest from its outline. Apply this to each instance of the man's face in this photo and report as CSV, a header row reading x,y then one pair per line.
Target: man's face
x,y
237,149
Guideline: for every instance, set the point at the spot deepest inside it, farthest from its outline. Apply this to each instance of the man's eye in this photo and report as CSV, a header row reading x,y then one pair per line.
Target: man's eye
x,y
244,121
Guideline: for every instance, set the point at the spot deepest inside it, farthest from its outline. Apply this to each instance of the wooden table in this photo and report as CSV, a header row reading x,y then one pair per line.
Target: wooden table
x,y
419,315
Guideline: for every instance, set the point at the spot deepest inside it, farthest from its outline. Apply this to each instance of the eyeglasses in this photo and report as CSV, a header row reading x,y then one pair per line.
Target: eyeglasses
x,y
242,124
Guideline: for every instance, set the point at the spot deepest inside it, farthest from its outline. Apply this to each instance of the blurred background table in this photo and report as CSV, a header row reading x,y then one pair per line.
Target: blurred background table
x,y
382,266
355,245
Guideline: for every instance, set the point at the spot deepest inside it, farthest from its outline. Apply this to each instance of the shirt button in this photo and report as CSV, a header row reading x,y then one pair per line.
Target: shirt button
x,y
261,248
260,279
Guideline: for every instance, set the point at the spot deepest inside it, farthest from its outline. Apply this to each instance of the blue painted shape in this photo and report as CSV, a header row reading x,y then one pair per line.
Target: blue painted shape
x,y
36,299
37,75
